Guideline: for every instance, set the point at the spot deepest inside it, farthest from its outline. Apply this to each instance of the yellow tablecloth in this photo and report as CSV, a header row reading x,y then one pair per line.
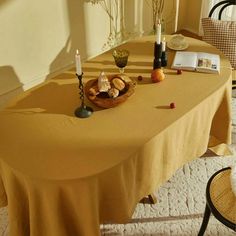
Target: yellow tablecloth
x,y
61,175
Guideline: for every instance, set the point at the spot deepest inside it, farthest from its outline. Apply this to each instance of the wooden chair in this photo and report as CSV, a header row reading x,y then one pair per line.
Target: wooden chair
x,y
218,41
223,5
220,200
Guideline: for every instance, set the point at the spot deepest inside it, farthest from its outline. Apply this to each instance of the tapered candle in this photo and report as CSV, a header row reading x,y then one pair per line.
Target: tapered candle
x,y
158,35
78,63
163,44
163,53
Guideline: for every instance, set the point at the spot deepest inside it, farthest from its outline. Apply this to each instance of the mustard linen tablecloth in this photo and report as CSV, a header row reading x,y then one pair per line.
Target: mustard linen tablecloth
x,y
61,175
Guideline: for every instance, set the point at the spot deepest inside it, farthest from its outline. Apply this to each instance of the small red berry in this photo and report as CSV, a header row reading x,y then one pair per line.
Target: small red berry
x,y
140,78
179,72
172,105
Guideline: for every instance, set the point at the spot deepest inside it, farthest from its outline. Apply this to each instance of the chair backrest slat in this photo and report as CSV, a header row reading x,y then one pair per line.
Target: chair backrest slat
x,y
225,4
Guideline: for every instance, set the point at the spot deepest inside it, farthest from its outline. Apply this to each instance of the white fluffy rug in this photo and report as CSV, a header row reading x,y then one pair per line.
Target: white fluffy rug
x,y
180,207
181,203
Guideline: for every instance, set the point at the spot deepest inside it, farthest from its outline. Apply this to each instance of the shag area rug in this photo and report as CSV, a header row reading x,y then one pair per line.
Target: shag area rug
x,y
180,206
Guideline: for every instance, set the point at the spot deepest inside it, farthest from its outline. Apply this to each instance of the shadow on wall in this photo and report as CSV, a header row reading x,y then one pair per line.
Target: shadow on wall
x,y
10,84
134,17
5,2
131,27
75,40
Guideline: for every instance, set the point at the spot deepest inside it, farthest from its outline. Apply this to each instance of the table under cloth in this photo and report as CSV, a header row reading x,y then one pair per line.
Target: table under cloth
x,y
62,175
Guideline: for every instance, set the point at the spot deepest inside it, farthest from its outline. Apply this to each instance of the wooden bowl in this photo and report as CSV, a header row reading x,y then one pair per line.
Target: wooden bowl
x,y
103,100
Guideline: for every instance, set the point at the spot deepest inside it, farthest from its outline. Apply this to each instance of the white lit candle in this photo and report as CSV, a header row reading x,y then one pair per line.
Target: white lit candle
x,y
163,44
78,63
158,35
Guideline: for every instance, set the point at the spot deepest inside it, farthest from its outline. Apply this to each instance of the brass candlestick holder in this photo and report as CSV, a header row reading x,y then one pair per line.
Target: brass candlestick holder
x,y
83,111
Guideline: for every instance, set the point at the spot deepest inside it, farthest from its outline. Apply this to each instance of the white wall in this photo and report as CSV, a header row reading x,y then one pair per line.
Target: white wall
x,y
38,38
189,15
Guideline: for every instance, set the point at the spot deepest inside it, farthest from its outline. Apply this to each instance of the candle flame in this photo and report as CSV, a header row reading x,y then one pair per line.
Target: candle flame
x,y
77,52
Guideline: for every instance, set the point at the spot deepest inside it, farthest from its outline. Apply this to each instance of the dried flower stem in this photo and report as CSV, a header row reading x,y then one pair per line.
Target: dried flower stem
x,y
115,11
157,10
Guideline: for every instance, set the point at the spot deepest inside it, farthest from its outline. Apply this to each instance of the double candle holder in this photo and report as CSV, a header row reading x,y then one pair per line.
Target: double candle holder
x,y
83,111
157,55
160,56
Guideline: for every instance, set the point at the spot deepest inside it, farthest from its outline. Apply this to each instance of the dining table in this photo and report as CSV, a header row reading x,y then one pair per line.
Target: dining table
x,y
63,175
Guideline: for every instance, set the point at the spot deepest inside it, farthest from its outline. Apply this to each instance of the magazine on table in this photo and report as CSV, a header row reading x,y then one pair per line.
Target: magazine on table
x,y
197,61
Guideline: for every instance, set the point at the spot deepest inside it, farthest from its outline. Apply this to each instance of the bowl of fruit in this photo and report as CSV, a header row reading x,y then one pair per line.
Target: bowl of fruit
x,y
109,91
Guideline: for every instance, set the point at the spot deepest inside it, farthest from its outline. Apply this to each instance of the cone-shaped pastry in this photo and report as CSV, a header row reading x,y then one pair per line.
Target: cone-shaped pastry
x,y
103,83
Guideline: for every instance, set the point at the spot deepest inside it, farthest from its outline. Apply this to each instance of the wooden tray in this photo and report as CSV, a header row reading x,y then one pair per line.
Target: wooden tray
x,y
103,100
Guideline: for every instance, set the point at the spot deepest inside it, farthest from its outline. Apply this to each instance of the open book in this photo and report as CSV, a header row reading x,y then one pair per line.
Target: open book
x,y
199,61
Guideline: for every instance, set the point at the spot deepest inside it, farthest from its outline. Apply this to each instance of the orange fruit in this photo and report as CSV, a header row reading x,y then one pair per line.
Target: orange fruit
x,y
157,75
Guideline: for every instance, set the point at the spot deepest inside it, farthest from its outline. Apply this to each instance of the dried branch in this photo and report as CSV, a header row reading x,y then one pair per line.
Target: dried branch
x,y
157,10
115,11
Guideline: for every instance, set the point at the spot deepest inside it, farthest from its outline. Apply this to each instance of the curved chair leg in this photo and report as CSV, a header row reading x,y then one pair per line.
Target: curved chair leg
x,y
152,198
206,217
